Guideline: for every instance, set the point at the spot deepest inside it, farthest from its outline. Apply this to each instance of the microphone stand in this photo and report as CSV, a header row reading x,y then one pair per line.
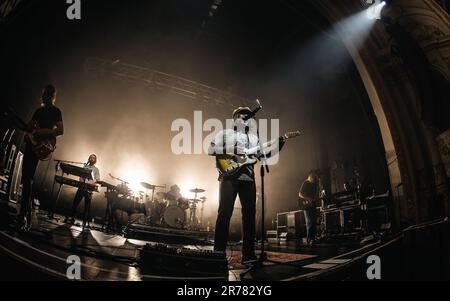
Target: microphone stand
x,y
259,263
51,213
264,168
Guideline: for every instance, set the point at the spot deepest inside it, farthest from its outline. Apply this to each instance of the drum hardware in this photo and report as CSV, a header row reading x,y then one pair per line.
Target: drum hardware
x,y
164,209
183,203
161,195
150,186
120,197
193,220
118,179
174,214
201,210
156,215
152,206
196,191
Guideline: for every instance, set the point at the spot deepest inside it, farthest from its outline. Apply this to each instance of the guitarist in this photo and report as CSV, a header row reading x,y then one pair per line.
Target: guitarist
x,y
47,123
238,141
308,194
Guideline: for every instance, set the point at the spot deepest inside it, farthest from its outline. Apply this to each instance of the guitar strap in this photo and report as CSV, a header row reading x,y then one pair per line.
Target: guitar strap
x,y
247,145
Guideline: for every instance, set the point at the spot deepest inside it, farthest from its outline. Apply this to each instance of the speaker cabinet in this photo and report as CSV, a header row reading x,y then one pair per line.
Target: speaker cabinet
x,y
293,223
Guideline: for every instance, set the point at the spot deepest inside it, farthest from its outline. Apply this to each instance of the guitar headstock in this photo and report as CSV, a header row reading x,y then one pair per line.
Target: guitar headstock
x,y
289,135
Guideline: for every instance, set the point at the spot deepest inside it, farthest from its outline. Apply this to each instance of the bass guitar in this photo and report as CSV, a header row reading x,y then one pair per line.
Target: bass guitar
x,y
42,148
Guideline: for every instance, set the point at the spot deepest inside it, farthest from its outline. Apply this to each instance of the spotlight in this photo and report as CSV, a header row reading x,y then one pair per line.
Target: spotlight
x,y
374,11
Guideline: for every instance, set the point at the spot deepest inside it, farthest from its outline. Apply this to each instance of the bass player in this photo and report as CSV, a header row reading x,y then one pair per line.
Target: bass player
x,y
46,123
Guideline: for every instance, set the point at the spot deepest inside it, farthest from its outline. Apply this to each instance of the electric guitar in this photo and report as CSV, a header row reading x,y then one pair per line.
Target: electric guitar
x,y
230,164
304,203
42,148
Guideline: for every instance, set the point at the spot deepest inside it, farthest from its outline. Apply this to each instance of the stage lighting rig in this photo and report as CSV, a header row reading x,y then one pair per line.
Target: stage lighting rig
x,y
375,9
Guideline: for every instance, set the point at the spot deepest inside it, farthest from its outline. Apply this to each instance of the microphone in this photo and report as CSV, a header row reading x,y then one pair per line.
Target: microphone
x,y
253,113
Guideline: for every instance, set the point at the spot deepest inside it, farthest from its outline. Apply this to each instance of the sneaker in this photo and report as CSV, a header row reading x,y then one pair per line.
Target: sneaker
x,y
23,227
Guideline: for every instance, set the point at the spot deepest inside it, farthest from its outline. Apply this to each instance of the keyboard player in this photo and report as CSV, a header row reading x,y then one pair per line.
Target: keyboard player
x,y
84,193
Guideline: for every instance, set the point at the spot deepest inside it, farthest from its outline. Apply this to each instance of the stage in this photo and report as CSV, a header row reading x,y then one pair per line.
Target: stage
x,y
42,254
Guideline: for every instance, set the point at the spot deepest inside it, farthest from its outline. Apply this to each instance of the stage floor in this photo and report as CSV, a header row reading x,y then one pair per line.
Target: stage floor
x,y
42,254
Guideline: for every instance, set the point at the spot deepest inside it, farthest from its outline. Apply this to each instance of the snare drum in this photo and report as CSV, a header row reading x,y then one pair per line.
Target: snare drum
x,y
183,203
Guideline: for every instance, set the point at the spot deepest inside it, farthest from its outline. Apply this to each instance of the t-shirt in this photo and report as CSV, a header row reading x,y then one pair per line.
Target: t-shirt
x,y
244,140
47,116
309,190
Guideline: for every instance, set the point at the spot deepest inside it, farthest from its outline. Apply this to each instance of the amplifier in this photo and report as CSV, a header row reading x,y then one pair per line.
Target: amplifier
x,y
352,219
341,199
377,201
378,218
292,222
332,222
343,220
160,259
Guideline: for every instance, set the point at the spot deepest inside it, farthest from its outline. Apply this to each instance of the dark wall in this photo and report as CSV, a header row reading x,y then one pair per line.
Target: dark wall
x,y
265,50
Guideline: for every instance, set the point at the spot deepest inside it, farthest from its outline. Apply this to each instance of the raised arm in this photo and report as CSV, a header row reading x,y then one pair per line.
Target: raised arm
x,y
58,130
275,148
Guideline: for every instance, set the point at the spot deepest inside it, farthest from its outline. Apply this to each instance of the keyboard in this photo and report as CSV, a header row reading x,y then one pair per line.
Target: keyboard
x,y
74,183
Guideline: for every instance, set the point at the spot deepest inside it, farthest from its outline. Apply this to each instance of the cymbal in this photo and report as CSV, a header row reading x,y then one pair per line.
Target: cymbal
x,y
150,186
194,200
203,198
197,190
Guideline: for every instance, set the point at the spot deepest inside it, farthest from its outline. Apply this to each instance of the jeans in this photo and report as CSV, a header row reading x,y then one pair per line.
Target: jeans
x,y
30,163
229,189
311,220
87,195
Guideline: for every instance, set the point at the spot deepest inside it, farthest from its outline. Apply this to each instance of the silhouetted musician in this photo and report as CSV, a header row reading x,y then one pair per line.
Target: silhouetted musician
x,y
47,123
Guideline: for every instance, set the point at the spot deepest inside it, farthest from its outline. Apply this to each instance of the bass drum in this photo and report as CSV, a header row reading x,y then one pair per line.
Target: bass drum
x,y
175,217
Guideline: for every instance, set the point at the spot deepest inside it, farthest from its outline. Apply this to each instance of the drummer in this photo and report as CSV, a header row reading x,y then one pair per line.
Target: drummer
x,y
173,194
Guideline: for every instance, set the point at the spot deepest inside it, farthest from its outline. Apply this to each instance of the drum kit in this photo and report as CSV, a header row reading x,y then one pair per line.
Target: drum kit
x,y
174,213
160,208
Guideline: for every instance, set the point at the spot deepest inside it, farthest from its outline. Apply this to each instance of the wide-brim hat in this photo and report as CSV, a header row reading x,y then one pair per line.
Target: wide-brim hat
x,y
241,110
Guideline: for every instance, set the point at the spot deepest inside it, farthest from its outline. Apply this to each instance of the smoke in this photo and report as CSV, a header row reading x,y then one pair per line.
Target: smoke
x,y
310,86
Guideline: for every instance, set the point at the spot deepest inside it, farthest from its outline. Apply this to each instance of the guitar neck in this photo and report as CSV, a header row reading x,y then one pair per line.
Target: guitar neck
x,y
265,145
272,142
